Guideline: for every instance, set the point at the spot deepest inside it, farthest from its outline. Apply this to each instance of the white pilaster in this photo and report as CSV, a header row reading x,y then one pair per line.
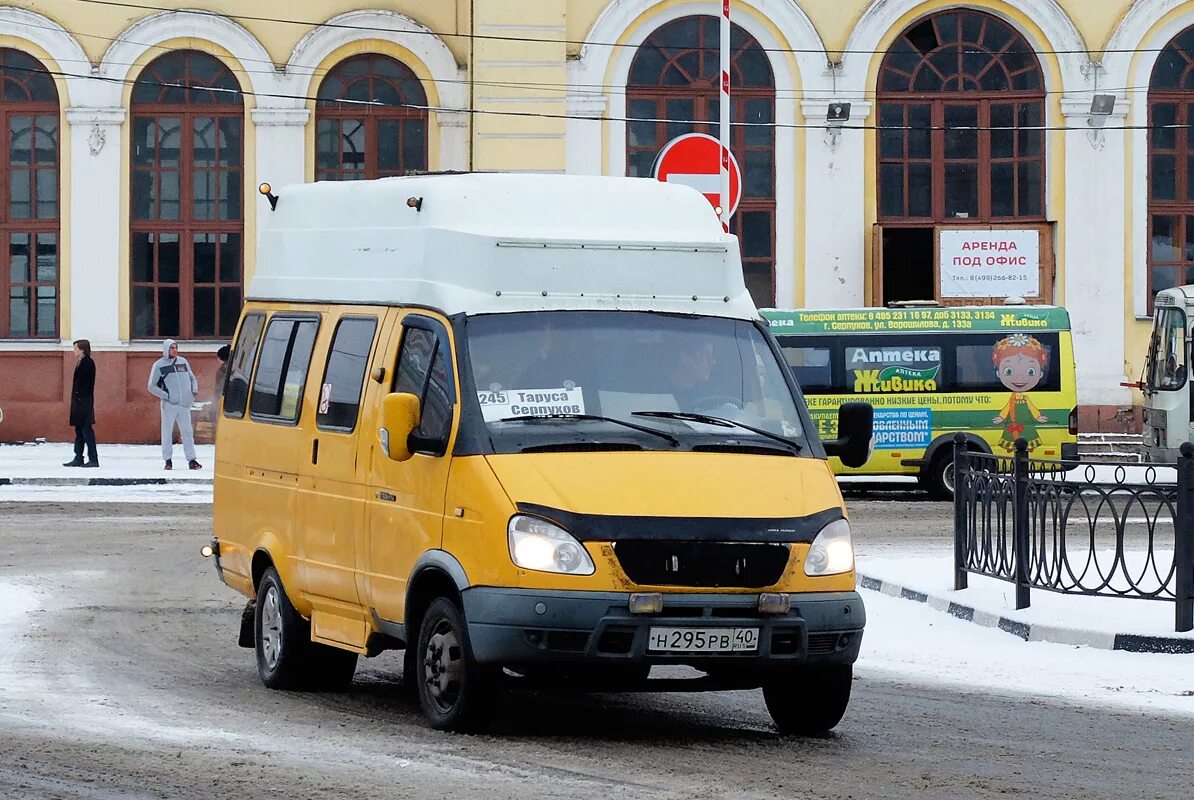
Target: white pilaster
x,y
835,201
453,140
583,135
95,224
1094,238
281,147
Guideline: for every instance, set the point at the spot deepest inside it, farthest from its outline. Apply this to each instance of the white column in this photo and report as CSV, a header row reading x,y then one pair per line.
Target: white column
x,y
281,150
835,201
453,141
1094,246
582,137
95,226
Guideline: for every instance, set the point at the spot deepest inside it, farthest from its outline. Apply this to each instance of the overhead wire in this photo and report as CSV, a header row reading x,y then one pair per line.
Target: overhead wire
x,y
238,92
538,40
544,86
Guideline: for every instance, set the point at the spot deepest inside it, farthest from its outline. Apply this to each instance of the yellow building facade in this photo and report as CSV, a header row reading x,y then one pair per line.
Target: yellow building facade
x,y
134,137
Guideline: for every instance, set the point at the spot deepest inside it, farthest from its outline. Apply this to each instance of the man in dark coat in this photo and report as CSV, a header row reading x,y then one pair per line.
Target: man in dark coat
x,y
82,406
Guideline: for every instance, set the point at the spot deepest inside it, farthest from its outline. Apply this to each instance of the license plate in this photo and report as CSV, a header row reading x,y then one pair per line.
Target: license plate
x,y
703,640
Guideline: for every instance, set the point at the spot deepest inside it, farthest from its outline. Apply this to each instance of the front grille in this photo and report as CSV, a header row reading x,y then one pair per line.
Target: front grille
x,y
712,564
822,643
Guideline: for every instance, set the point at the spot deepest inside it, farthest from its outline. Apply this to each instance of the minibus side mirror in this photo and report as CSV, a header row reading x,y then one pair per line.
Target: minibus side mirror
x,y
855,427
399,418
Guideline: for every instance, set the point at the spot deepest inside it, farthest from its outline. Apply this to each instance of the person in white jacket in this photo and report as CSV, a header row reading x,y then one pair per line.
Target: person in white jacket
x,y
173,382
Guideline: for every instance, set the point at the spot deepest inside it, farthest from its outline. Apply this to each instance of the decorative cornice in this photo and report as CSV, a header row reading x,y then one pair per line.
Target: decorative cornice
x,y
282,117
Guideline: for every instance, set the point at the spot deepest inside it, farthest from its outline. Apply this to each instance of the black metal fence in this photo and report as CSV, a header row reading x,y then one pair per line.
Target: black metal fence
x,y
1054,525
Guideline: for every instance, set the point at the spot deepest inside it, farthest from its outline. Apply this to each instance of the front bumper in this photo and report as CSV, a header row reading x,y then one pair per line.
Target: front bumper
x,y
524,627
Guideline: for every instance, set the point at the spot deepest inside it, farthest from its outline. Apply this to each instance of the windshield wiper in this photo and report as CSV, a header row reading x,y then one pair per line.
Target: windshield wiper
x,y
688,416
594,417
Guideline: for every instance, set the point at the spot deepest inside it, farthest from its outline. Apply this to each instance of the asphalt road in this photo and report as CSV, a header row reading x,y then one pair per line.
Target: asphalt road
x,y
126,682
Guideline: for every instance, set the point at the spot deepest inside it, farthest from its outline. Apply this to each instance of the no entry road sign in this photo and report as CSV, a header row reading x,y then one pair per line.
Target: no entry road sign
x,y
694,159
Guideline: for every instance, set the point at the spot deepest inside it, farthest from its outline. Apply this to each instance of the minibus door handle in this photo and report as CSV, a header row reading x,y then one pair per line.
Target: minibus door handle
x,y
315,451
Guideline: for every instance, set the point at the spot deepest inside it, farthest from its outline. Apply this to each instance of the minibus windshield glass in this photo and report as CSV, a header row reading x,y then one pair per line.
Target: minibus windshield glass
x,y
1167,359
583,374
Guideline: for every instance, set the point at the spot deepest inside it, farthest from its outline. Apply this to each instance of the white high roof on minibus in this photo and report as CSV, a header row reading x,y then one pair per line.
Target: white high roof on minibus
x,y
491,243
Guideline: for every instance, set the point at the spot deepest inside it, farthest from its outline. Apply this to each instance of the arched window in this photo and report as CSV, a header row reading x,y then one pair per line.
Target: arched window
x,y
370,120
946,81
187,215
29,205
674,76
1170,167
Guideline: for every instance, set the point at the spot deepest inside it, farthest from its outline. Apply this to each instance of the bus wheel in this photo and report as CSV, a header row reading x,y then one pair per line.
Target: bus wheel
x,y
939,482
281,636
455,693
809,701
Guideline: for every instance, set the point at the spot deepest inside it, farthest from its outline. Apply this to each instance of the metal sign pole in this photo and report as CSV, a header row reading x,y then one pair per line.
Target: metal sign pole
x,y
725,115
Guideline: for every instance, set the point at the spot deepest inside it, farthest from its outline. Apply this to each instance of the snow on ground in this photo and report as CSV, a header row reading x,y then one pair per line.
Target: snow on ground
x,y
933,575
910,641
171,493
116,461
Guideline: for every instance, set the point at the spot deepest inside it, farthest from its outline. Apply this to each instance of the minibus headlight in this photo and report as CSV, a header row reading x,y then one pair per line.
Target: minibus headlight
x,y
832,552
545,547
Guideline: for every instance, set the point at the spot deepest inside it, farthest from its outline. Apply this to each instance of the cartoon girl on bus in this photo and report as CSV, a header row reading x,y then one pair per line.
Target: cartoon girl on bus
x,y
1020,362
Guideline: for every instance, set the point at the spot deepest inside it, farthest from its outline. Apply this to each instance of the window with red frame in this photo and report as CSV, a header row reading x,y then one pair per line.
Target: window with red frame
x,y
370,121
29,204
961,117
674,78
187,198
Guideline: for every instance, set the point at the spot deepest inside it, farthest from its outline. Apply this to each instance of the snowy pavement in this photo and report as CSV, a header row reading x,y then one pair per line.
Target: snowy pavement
x,y
127,474
913,641
1093,621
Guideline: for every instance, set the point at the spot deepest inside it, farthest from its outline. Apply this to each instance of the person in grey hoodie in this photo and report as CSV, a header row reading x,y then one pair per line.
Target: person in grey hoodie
x,y
173,382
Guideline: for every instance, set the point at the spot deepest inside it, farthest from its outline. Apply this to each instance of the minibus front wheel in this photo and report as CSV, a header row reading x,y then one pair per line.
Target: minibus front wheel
x,y
455,692
809,701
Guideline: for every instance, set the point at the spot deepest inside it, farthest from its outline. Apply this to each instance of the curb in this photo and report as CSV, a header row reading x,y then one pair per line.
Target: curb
x,y
59,482
1127,642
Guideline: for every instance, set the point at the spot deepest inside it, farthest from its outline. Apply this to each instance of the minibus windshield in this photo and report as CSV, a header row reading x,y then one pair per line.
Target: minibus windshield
x,y
584,374
1167,356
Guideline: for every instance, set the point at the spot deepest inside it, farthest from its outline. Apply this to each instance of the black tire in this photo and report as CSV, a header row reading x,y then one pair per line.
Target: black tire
x,y
281,636
809,701
286,657
455,693
939,480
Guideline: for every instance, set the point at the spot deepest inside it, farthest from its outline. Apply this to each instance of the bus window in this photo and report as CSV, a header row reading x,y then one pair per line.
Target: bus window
x,y
811,367
1167,361
975,369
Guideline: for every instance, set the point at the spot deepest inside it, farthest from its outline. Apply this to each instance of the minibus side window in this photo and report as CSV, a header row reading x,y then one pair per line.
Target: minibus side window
x,y
344,375
236,393
282,371
425,370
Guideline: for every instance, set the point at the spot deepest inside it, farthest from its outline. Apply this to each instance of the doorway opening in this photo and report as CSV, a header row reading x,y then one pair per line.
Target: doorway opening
x,y
908,264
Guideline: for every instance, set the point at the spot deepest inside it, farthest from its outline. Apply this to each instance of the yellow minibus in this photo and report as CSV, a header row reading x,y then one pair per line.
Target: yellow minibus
x,y
527,428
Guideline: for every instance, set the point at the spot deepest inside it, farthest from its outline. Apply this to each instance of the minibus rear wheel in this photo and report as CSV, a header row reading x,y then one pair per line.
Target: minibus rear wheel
x,y
809,701
281,636
286,656
455,692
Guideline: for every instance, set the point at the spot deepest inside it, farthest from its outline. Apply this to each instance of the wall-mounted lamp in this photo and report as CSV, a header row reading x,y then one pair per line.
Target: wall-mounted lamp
x,y
1101,107
837,116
